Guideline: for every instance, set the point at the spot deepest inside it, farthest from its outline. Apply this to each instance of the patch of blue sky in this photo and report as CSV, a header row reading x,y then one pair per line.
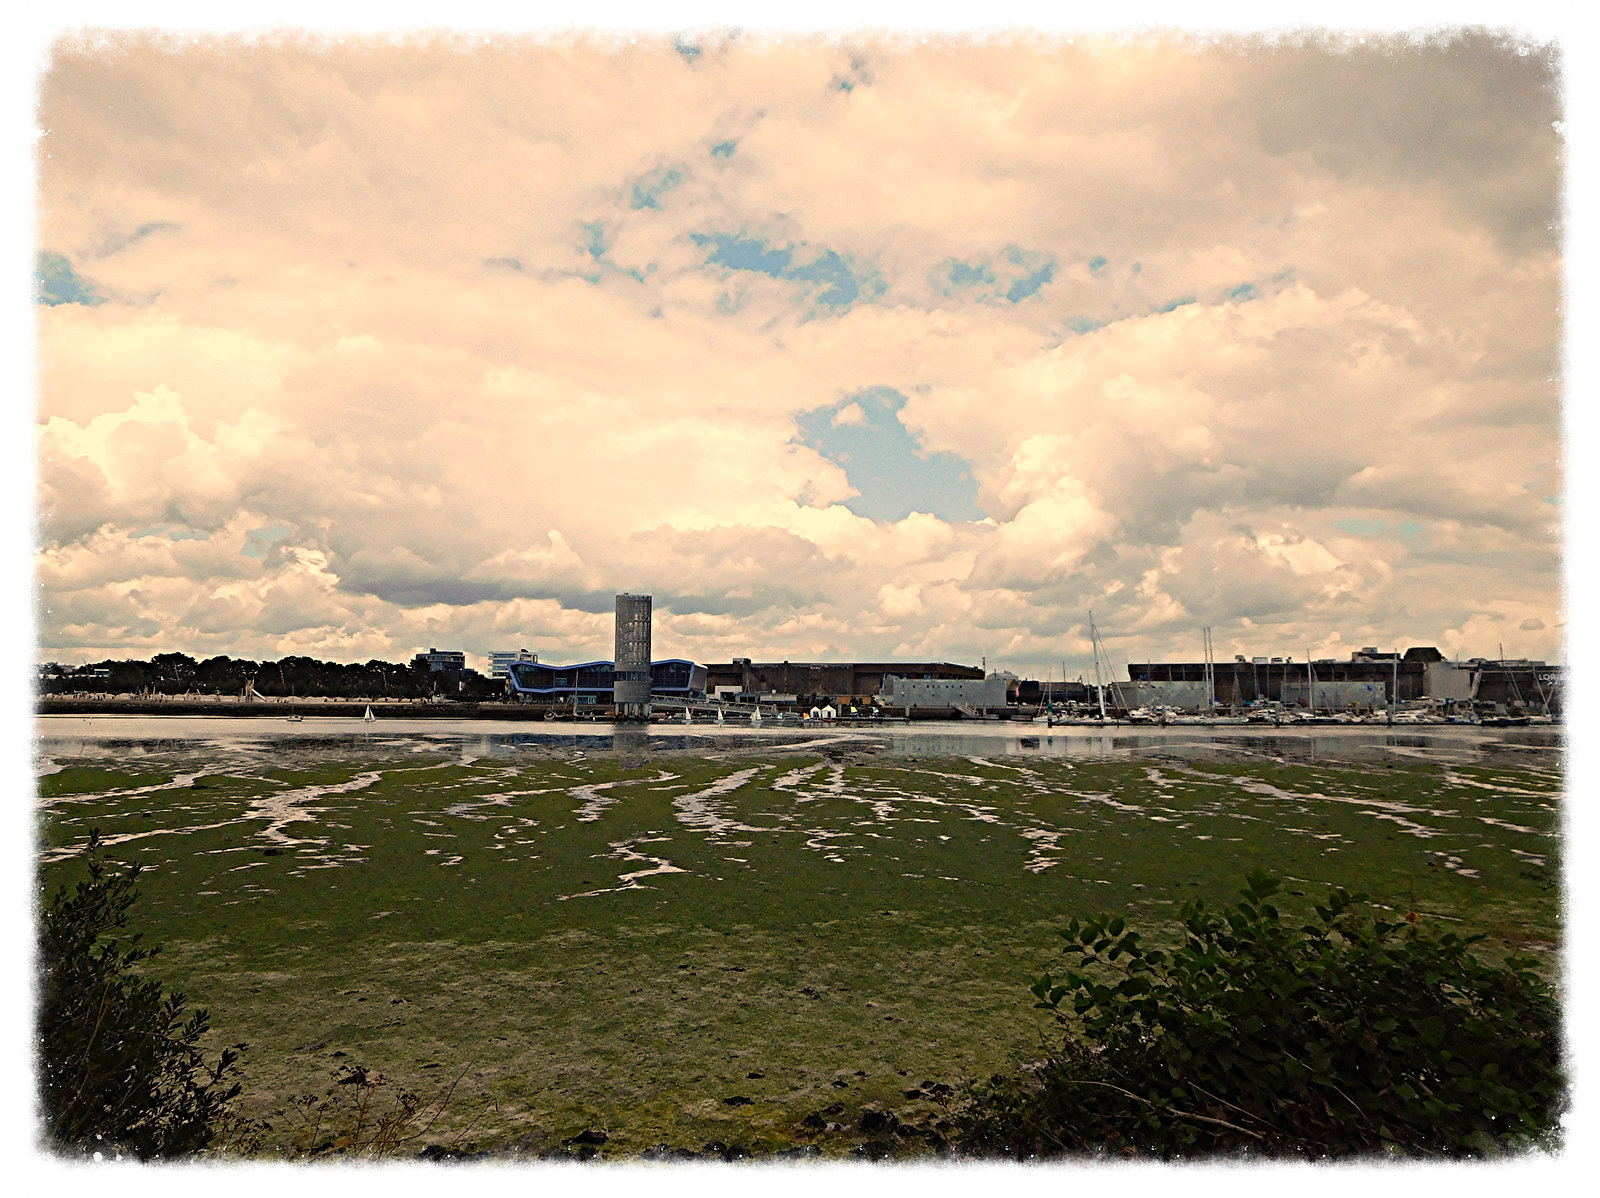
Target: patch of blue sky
x,y
724,149
55,282
1038,268
840,280
1014,275
1174,305
597,246
648,189
1085,324
1244,291
743,253
258,541
1097,266
1030,284
1406,530
964,274
1362,528
863,434
832,271
139,234
859,76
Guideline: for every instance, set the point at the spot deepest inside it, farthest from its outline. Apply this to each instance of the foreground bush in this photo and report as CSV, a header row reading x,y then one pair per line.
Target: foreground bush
x,y
1348,1035
119,1067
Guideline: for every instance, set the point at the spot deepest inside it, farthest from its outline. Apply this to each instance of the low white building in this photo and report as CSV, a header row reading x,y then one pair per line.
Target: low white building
x,y
943,692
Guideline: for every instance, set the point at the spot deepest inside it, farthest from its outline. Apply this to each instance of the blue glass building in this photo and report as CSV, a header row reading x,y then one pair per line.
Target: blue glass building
x,y
589,683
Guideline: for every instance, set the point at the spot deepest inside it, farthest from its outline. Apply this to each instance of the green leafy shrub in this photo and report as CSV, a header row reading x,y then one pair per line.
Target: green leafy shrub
x,y
1352,1034
119,1065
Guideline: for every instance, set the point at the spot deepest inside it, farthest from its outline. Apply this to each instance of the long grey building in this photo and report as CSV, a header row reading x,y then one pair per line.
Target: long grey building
x,y
1368,679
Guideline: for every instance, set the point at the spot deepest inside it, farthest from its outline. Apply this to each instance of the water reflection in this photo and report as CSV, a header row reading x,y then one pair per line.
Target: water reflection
x,y
127,739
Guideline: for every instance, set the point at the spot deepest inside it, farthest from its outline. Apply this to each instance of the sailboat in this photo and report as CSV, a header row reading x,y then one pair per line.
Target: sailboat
x,y
368,717
1099,687
755,720
1048,716
293,714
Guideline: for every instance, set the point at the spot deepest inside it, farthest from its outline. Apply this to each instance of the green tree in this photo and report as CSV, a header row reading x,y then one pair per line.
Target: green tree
x,y
1354,1033
119,1064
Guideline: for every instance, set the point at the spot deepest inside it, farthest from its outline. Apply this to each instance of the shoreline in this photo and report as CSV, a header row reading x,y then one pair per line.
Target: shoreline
x,y
412,709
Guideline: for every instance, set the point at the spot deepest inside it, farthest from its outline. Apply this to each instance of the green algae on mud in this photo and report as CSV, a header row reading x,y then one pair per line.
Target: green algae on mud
x,y
628,945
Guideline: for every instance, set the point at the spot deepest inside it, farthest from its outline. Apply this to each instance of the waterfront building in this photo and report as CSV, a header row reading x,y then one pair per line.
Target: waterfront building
x,y
441,659
1369,679
852,683
1031,692
593,683
501,658
979,693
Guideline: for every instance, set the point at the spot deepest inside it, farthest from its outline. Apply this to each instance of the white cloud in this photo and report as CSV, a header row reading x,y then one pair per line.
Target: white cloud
x,y
394,345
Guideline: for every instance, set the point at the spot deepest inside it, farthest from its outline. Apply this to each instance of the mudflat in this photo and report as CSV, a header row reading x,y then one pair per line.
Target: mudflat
x,y
749,943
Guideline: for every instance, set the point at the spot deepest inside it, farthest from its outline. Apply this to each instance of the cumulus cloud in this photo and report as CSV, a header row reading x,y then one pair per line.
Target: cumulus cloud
x,y
353,350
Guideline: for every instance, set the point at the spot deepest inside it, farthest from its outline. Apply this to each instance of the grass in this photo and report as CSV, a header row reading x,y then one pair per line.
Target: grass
x,y
830,932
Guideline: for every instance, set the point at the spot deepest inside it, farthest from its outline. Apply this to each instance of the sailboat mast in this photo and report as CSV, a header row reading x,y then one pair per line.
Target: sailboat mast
x,y
1094,645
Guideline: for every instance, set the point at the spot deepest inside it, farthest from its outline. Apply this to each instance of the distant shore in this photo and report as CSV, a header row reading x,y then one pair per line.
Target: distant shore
x,y
235,708
231,707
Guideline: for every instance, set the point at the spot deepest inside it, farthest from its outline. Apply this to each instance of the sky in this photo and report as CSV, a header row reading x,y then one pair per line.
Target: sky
x,y
874,347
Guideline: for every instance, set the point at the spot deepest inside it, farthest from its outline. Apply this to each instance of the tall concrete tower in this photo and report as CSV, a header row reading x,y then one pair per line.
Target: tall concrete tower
x,y
630,671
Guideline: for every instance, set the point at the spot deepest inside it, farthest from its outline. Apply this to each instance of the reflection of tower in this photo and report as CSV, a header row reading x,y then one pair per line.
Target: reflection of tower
x,y
630,671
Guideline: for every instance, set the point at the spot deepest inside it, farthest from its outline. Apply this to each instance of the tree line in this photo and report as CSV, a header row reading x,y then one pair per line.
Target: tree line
x,y
288,677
